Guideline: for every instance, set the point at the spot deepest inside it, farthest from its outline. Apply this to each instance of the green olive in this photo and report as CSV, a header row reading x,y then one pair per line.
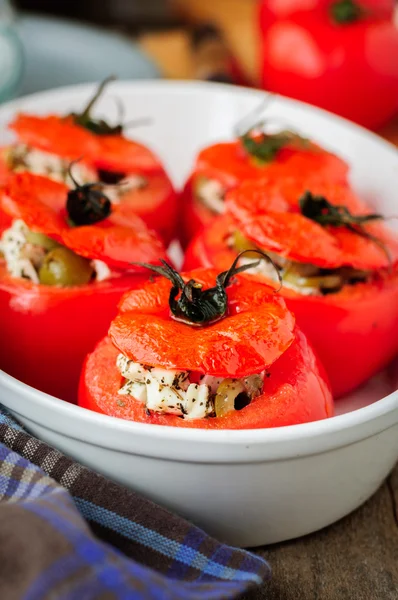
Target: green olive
x,y
64,268
241,243
39,239
296,269
227,392
323,282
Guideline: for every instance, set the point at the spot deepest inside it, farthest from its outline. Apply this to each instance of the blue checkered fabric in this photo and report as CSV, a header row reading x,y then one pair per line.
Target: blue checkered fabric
x,y
72,534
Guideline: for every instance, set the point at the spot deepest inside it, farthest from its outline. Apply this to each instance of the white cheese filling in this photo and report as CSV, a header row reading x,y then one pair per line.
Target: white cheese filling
x,y
16,251
24,259
211,192
24,158
102,271
267,270
130,183
172,392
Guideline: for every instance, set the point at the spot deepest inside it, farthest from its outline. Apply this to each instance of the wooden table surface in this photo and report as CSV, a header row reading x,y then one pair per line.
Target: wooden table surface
x,y
237,19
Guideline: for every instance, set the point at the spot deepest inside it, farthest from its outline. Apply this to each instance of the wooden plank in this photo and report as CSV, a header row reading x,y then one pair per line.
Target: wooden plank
x,y
355,559
237,19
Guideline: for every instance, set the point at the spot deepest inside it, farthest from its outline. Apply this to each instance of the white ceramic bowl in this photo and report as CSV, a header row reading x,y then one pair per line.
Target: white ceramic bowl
x,y
246,487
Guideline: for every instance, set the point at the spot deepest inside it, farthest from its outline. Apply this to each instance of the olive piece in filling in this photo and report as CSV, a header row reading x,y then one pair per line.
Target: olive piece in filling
x,y
39,239
306,278
64,268
228,392
241,244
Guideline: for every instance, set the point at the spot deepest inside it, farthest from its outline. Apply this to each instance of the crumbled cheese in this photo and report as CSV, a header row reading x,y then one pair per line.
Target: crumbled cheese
x,y
266,269
172,392
263,268
102,271
12,245
211,192
24,158
168,391
130,183
135,389
24,259
198,403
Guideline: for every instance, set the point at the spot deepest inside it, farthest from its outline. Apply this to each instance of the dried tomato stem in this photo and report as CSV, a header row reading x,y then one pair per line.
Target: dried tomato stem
x,y
346,11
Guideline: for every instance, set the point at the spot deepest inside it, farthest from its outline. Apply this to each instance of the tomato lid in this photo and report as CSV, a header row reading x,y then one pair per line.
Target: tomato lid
x,y
118,246
38,201
55,134
282,194
62,136
120,154
268,213
297,238
256,331
230,163
41,204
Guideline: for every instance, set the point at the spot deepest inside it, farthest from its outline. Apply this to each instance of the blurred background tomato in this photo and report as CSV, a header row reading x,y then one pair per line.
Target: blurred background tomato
x,y
341,55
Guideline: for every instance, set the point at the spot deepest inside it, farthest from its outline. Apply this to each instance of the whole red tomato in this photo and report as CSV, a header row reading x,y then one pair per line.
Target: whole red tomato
x,y
46,330
342,324
260,334
112,158
341,56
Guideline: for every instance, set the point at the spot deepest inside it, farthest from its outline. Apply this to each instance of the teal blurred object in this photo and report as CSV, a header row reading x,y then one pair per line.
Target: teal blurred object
x,y
64,52
11,55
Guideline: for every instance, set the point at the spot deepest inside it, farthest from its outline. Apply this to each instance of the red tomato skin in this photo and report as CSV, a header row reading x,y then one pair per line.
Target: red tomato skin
x,y
46,332
271,10
229,164
194,215
354,332
5,220
3,168
295,392
157,204
359,332
309,58
118,153
56,135
250,339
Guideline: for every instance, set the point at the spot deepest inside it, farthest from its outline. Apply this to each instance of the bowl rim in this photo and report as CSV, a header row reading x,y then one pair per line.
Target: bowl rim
x,y
378,416
190,87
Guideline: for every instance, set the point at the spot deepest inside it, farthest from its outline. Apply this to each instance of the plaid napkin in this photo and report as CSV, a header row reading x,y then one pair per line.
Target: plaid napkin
x,y
70,534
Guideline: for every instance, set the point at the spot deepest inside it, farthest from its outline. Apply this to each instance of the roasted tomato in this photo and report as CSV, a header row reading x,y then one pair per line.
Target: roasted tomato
x,y
236,360
338,269
60,284
221,167
47,145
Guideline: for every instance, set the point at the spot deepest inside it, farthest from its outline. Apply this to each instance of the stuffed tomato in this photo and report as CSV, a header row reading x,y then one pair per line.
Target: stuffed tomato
x,y
46,146
221,167
66,262
205,350
338,265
